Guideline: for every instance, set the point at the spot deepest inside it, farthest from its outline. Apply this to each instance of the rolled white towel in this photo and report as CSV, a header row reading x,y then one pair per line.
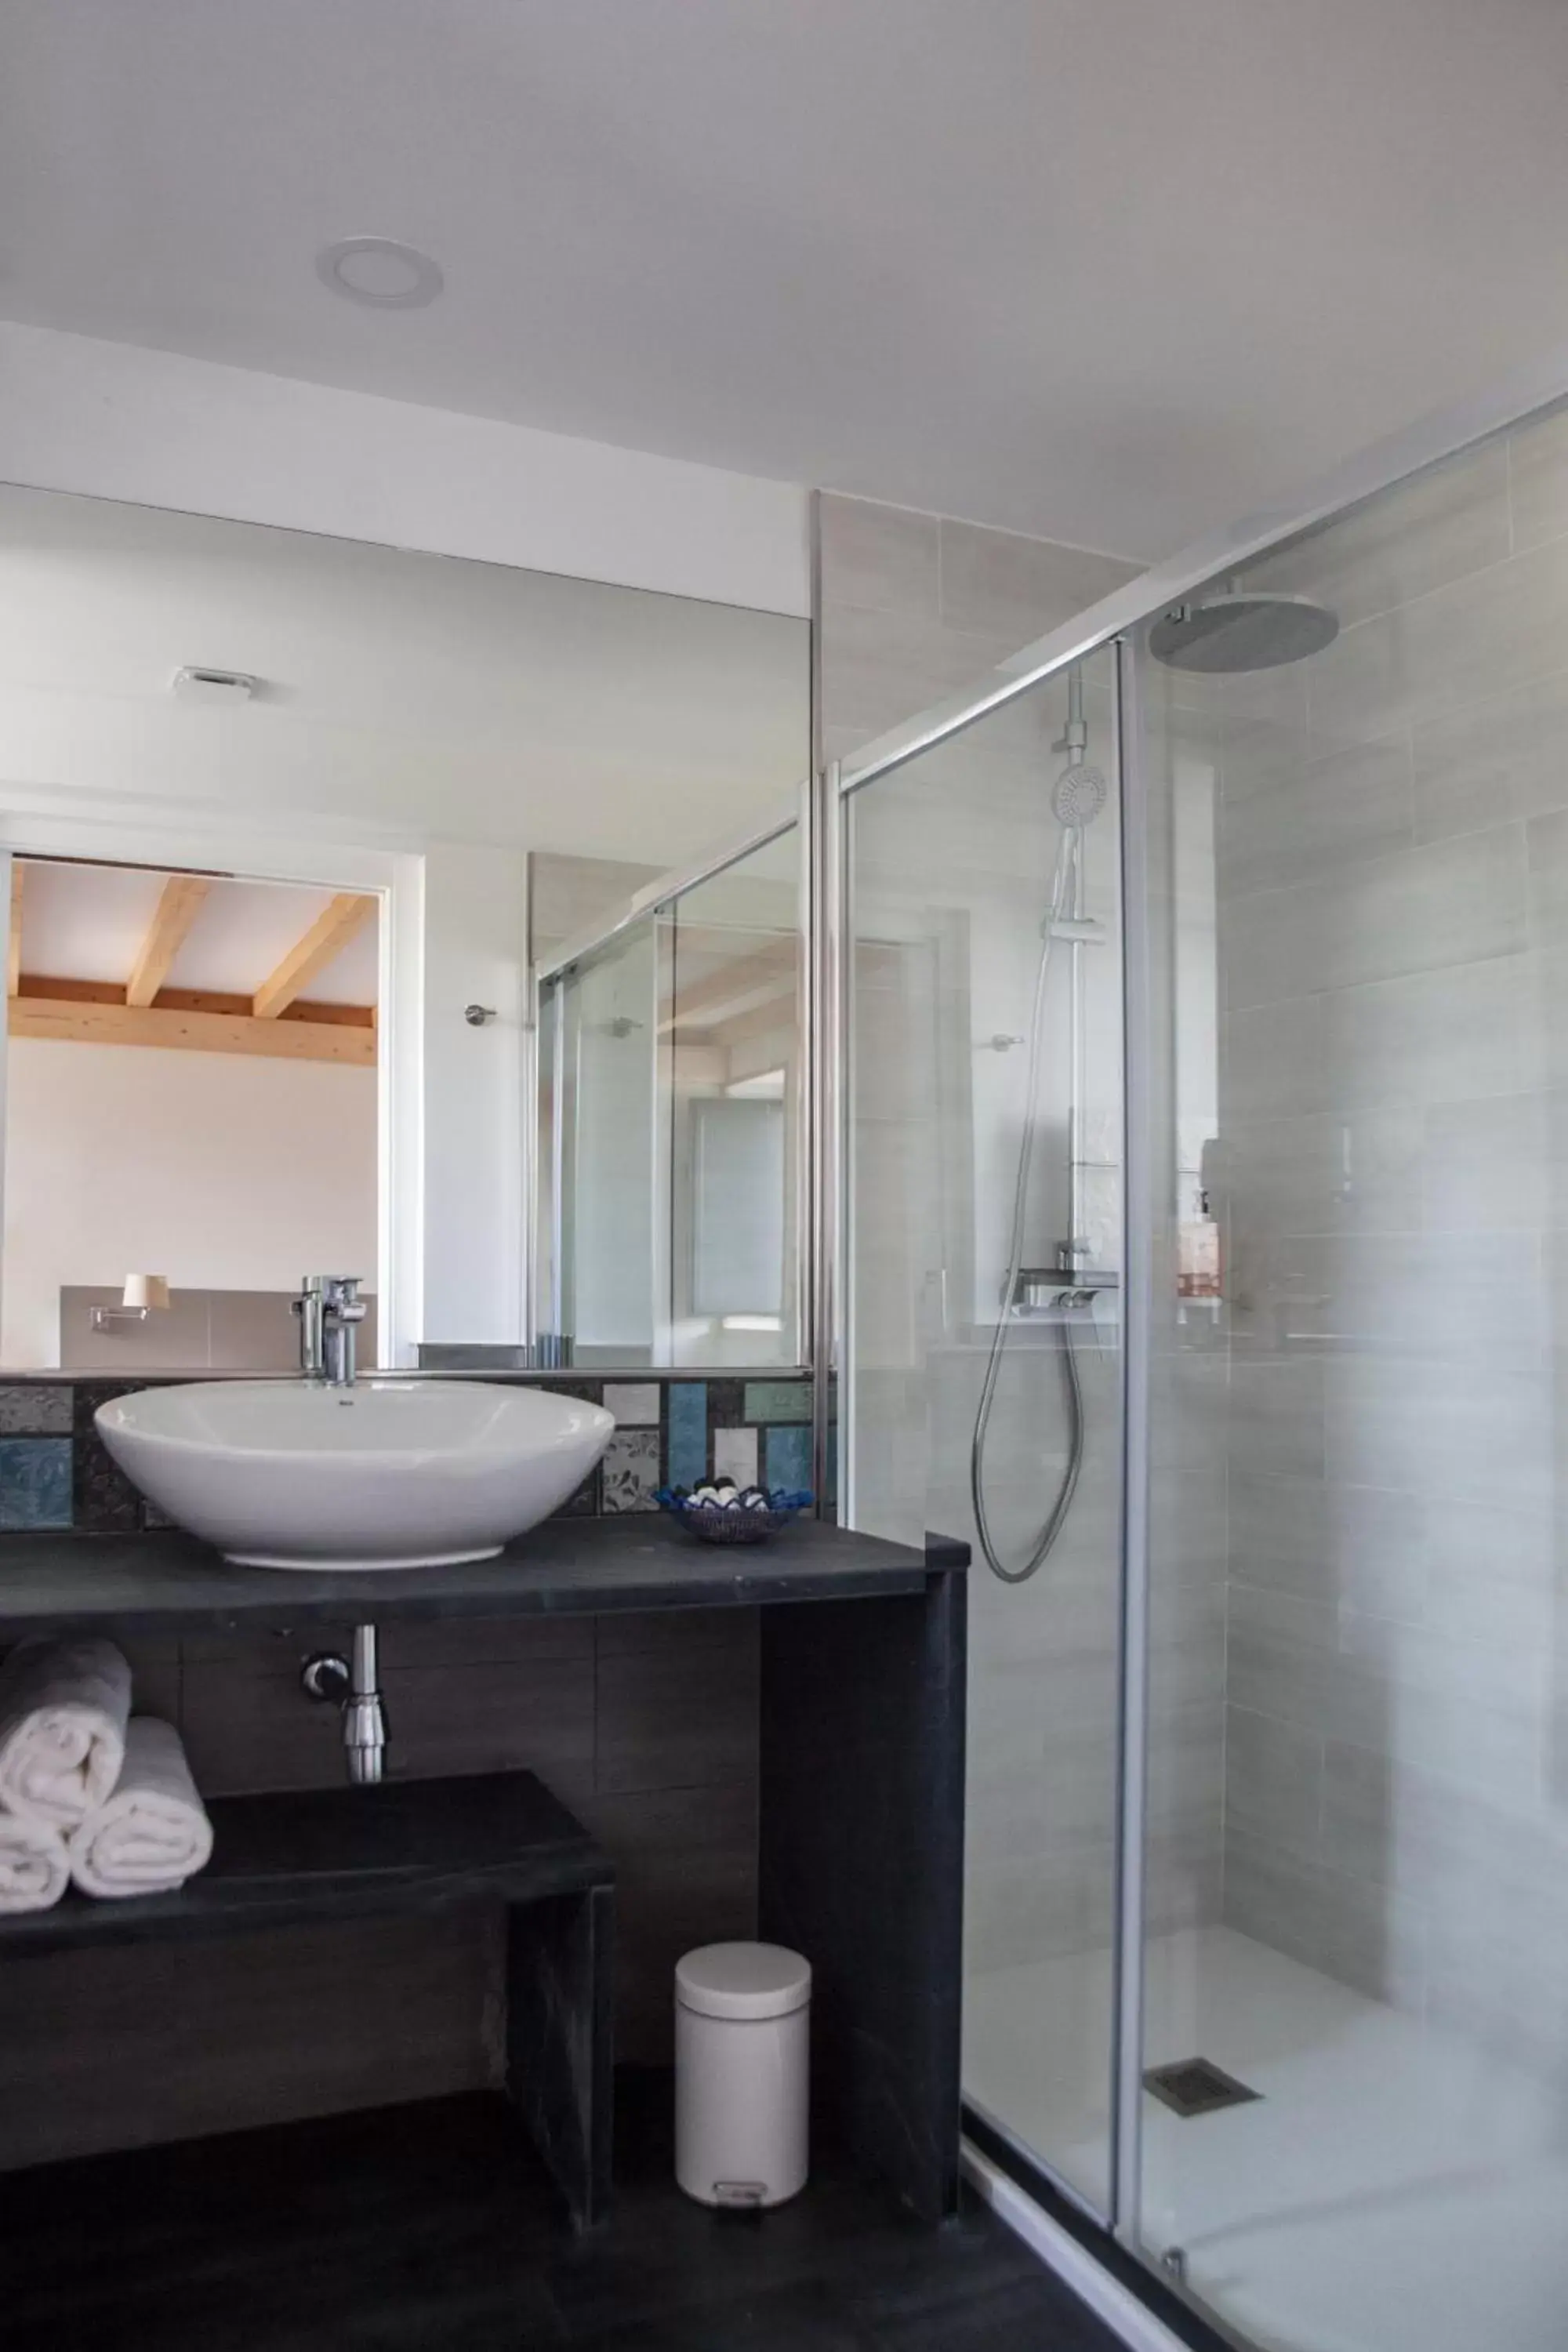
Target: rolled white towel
x,y
154,1832
63,1710
35,1867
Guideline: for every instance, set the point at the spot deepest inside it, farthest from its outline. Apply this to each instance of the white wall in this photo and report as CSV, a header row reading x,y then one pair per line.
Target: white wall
x,y
118,422
222,1171
474,954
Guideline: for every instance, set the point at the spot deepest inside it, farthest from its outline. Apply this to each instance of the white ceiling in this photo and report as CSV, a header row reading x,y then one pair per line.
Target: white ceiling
x,y
1108,269
87,922
454,700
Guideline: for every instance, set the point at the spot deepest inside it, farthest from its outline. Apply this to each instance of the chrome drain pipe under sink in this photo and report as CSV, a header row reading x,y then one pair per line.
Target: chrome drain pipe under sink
x,y
353,1683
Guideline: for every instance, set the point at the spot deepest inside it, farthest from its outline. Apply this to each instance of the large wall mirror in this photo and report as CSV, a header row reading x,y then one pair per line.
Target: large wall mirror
x,y
277,811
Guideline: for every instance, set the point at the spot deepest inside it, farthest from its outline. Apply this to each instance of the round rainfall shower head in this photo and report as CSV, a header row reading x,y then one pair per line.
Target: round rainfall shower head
x,y
1226,633
1078,796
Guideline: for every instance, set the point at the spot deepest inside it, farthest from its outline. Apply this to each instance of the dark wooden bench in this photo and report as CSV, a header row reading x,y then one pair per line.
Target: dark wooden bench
x,y
419,1845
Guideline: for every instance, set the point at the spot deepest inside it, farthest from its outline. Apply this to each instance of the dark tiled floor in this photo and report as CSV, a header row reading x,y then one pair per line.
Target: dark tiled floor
x,y
429,2229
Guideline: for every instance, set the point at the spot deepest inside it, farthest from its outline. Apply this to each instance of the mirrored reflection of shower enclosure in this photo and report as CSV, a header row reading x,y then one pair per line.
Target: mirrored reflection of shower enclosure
x,y
1335,1949
669,1129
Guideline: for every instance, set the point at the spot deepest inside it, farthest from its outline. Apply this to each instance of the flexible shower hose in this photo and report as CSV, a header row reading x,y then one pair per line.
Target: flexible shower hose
x,y
1062,901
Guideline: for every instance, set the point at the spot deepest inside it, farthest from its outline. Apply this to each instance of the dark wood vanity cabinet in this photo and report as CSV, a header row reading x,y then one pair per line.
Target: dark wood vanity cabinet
x,y
859,1809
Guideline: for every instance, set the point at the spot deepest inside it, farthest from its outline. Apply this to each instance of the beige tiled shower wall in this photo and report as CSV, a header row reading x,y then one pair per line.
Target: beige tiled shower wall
x,y
915,606
1184,1846
1392,832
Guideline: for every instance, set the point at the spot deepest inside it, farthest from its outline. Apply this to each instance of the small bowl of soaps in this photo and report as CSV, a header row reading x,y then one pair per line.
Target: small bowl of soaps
x,y
721,1512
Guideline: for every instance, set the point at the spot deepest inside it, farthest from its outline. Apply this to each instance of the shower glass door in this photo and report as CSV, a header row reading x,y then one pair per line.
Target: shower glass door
x,y
983,1143
1359,898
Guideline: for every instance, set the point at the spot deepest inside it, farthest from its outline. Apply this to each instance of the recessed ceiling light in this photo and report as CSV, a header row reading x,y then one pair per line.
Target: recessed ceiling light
x,y
380,271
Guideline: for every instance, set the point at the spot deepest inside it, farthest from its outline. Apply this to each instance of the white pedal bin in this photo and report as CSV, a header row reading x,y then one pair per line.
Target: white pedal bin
x,y
742,2043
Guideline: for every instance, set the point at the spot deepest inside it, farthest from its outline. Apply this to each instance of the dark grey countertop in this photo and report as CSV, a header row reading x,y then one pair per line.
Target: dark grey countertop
x,y
157,1584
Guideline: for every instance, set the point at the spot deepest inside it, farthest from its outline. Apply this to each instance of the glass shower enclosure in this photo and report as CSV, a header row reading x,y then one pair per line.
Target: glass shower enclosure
x,y
1203,1260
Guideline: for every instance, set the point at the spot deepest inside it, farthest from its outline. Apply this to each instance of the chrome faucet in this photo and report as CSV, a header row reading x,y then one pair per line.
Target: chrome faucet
x,y
329,1307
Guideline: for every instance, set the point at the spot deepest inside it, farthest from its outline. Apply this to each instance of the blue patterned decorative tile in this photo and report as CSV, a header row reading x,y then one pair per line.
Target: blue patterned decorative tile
x,y
34,1482
630,1471
789,1458
687,1460
778,1401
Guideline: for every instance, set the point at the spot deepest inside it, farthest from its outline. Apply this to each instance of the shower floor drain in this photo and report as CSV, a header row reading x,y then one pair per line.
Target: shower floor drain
x,y
1196,2087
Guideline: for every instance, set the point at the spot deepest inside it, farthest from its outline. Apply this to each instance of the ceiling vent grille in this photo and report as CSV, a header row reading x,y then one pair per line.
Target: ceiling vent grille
x,y
214,685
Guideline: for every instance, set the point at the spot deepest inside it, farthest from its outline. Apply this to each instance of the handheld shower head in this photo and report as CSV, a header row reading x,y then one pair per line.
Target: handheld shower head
x,y
1078,796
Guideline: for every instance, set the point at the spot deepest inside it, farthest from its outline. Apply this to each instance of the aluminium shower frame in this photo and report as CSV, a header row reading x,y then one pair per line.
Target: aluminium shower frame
x,y
825,1240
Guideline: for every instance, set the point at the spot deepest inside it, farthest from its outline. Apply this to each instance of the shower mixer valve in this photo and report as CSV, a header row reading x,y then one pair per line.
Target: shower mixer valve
x,y
1060,1289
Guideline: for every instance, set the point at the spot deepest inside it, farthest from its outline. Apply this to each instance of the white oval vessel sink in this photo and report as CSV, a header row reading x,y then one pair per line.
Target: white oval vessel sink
x,y
387,1474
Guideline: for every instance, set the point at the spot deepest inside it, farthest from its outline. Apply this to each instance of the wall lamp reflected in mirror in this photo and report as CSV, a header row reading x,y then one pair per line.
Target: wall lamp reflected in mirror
x,y
144,1294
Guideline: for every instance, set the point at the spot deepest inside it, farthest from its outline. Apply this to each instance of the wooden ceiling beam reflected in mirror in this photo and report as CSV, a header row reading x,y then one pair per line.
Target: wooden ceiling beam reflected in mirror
x,y
756,977
90,1022
144,1010
183,898
326,937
